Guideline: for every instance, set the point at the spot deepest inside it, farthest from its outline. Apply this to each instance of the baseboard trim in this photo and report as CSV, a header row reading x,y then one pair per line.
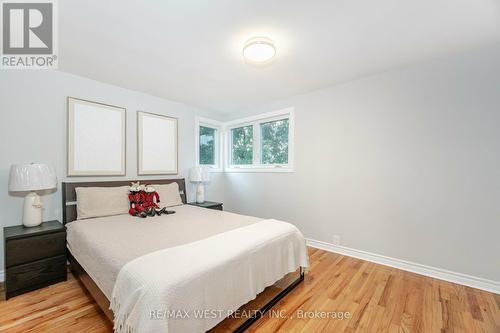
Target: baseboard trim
x,y
2,276
438,273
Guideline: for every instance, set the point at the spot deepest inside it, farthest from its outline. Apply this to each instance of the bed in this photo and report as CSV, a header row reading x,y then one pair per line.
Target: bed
x,y
104,251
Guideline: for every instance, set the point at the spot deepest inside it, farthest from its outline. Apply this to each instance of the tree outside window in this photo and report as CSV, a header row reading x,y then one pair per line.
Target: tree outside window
x,y
207,145
242,145
274,142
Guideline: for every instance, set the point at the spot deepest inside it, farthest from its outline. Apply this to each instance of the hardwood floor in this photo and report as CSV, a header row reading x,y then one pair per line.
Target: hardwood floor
x,y
378,299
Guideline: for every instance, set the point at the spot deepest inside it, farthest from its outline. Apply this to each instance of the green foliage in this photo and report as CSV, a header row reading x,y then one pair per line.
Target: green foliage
x,y
274,142
207,145
242,145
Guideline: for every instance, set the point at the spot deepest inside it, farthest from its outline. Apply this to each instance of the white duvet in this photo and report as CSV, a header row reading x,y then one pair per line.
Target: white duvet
x,y
170,289
104,245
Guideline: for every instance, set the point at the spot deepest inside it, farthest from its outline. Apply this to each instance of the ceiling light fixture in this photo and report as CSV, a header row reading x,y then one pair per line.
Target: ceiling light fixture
x,y
259,50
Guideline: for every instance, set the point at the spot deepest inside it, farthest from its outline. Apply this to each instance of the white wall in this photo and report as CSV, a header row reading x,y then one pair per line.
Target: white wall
x,y
404,164
33,129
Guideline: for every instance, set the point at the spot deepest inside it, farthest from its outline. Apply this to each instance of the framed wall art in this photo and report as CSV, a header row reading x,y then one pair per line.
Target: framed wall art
x,y
96,139
156,144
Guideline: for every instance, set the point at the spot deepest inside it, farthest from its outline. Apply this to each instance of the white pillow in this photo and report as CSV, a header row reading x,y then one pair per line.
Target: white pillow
x,y
101,201
169,194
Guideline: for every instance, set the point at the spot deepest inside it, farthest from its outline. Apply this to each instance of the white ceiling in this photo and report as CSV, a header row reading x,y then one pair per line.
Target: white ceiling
x,y
190,51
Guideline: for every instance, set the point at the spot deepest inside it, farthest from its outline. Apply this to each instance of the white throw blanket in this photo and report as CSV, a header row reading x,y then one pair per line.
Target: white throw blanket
x,y
170,290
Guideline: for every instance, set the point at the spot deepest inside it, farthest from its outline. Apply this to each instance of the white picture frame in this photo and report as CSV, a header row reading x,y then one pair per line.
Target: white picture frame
x,y
96,138
157,144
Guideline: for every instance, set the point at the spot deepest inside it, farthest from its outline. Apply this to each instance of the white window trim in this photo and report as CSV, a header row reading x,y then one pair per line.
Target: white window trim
x,y
255,121
219,127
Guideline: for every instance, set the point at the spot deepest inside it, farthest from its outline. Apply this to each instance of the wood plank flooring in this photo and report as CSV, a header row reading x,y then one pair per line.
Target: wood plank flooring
x,y
378,299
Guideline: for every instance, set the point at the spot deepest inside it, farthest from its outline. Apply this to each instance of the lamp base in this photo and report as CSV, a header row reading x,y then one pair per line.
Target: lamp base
x,y
200,193
32,213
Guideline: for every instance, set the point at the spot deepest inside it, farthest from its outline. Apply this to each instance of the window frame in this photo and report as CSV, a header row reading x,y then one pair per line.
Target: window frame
x,y
218,158
256,122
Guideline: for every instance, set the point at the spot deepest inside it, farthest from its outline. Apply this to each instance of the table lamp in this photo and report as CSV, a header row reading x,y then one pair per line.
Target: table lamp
x,y
31,178
199,175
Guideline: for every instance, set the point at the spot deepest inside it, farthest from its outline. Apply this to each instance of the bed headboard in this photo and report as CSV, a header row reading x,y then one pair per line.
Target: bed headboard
x,y
69,193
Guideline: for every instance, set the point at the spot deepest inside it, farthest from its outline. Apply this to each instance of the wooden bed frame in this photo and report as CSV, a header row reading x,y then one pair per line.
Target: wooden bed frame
x,y
70,215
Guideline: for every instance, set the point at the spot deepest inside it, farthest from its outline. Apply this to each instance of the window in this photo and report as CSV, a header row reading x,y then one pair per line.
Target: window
x,y
274,142
242,145
261,143
208,143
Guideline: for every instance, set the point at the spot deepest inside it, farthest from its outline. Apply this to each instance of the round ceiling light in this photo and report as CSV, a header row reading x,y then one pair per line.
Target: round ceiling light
x,y
259,50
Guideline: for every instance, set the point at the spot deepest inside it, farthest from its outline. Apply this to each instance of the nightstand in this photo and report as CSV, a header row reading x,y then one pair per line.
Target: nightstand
x,y
208,204
35,257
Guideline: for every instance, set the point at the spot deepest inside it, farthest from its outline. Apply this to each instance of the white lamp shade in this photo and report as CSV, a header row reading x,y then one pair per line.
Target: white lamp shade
x,y
32,177
199,174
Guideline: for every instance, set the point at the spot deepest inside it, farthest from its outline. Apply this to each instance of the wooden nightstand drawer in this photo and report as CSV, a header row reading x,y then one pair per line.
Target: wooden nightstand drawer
x,y
29,249
35,275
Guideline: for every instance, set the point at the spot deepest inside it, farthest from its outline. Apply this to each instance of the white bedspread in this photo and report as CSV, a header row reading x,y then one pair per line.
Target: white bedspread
x,y
219,274
104,245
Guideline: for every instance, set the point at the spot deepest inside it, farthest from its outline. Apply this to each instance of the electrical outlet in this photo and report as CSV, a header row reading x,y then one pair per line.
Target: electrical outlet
x,y
336,239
